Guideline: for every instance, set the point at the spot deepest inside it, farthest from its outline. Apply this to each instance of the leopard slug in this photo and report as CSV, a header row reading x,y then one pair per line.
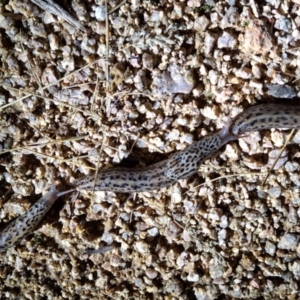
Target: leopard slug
x,y
178,166
26,223
266,116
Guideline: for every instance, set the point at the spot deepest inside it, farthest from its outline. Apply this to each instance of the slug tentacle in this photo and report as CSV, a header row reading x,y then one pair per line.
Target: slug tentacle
x,y
65,192
53,189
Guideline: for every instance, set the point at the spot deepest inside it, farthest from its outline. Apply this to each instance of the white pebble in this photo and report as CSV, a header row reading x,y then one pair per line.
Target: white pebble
x,y
277,138
288,241
283,24
153,231
100,13
142,247
210,112
295,268
213,77
244,73
226,41
281,161
291,167
209,42
255,84
174,135
222,234
296,138
151,273
275,191
193,277
256,71
270,248
201,23
186,138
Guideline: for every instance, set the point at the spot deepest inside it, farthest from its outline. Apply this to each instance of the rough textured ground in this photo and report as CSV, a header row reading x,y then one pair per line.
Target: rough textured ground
x,y
175,70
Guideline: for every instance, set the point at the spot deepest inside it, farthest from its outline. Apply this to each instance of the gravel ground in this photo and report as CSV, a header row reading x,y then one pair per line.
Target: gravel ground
x,y
176,70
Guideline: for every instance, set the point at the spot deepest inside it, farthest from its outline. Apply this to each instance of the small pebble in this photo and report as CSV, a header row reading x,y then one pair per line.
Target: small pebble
x,y
227,41
244,73
201,23
270,248
281,91
288,241
281,161
283,23
100,13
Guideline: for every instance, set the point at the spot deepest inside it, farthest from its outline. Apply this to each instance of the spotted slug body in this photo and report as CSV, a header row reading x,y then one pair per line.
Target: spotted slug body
x,y
124,180
162,174
266,116
186,163
26,223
